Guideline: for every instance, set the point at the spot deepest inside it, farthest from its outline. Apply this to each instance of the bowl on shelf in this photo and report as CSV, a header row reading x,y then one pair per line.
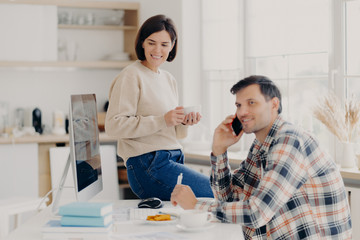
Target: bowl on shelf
x,y
114,20
118,56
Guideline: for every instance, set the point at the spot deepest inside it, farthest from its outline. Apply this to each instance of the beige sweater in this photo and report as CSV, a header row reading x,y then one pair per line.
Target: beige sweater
x,y
138,101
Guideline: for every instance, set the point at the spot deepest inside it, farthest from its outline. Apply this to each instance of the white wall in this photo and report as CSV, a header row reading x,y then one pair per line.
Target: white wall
x,y
49,89
191,49
37,38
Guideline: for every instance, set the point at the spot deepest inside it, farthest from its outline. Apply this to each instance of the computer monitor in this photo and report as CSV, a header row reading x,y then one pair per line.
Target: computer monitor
x,y
84,154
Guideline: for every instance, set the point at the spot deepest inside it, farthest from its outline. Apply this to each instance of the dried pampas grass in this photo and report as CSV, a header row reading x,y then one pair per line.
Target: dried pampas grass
x,y
342,122
352,117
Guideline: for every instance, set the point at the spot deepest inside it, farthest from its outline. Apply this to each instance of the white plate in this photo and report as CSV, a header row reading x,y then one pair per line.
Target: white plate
x,y
195,229
172,221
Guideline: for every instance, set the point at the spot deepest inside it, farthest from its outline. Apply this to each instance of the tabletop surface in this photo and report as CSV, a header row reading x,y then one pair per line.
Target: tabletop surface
x,y
126,229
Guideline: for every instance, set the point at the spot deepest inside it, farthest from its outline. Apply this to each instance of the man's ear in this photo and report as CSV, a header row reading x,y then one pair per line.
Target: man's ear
x,y
275,103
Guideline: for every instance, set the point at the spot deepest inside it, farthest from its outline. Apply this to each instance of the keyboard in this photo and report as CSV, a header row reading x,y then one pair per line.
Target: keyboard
x,y
142,213
121,214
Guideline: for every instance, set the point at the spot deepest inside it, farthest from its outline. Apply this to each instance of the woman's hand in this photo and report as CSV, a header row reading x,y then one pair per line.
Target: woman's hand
x,y
191,118
174,117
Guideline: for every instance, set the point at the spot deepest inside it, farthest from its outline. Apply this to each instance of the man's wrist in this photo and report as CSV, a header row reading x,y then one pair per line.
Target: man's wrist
x,y
216,151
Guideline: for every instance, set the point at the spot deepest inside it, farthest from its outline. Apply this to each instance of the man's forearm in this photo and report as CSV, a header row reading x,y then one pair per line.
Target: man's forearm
x,y
217,151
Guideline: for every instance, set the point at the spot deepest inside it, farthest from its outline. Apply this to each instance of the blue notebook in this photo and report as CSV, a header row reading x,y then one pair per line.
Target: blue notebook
x,y
86,221
54,226
86,209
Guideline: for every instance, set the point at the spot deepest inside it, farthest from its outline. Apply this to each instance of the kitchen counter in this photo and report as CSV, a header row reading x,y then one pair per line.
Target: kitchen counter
x,y
49,139
201,157
236,157
350,173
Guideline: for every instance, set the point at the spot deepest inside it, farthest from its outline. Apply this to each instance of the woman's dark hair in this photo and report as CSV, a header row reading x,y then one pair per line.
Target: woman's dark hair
x,y
267,87
156,24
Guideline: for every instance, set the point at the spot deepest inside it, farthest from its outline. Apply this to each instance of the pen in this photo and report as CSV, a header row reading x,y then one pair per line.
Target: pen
x,y
179,180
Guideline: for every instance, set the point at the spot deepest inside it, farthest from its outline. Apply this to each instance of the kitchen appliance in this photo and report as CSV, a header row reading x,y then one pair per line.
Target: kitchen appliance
x,y
36,120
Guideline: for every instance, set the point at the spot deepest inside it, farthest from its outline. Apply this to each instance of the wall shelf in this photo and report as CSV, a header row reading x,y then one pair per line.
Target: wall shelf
x,y
130,25
97,27
66,64
79,4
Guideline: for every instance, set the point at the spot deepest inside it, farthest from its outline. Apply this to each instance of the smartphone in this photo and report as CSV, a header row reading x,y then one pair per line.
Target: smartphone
x,y
236,126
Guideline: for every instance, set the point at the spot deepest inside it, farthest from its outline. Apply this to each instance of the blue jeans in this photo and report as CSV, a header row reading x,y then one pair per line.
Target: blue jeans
x,y
155,174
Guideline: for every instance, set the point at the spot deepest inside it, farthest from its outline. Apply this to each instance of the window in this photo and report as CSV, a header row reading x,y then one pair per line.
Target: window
x,y
352,46
222,53
289,42
307,47
221,56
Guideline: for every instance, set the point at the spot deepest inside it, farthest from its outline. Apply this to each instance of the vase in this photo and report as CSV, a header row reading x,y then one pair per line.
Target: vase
x,y
348,155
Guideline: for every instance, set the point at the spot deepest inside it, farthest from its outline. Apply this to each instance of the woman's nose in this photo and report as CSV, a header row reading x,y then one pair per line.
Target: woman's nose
x,y
157,48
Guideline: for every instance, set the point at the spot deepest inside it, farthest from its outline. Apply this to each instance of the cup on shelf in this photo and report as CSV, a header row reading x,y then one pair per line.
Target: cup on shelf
x,y
58,123
71,51
65,18
62,17
90,18
80,20
116,19
4,113
19,118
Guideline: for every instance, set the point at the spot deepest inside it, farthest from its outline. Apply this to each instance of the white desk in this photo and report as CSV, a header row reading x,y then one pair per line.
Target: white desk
x,y
31,230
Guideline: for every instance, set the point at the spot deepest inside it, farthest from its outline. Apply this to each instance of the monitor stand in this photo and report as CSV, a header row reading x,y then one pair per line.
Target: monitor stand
x,y
56,200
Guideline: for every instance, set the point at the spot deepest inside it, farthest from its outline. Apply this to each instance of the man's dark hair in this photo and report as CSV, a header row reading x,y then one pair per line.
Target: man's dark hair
x,y
267,87
156,24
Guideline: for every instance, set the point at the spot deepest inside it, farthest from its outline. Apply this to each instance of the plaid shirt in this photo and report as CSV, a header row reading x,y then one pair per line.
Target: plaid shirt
x,y
287,188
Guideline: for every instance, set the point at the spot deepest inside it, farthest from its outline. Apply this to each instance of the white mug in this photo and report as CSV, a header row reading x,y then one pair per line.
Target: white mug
x,y
194,109
195,218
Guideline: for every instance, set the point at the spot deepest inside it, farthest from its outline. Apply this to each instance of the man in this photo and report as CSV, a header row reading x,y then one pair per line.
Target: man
x,y
287,188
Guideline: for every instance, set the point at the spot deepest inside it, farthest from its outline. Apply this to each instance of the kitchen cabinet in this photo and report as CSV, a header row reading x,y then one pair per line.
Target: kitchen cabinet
x,y
19,177
98,11
27,163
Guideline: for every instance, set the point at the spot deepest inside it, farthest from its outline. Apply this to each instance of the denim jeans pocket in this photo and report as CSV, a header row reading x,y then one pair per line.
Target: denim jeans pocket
x,y
160,160
134,183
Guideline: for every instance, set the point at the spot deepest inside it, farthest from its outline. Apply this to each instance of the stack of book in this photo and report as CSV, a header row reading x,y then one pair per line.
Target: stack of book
x,y
79,219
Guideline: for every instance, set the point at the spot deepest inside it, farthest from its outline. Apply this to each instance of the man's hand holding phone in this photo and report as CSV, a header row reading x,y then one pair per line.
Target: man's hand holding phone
x,y
225,135
236,126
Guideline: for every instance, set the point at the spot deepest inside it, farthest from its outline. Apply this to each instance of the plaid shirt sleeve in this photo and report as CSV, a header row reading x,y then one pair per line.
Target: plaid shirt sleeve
x,y
257,206
227,187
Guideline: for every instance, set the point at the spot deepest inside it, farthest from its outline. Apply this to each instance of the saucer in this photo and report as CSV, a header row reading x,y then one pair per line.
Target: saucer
x,y
195,229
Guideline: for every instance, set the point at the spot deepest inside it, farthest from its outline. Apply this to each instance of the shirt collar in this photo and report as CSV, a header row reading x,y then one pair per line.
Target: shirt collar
x,y
264,147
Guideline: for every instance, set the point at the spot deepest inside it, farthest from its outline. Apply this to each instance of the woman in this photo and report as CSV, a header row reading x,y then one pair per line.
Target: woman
x,y
144,116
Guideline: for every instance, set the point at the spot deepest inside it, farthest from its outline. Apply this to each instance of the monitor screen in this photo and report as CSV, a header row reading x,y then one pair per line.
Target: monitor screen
x,y
85,146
